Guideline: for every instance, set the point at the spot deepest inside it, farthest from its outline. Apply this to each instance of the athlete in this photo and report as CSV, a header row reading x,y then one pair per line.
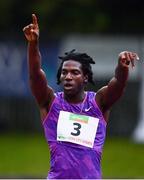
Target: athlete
x,y
74,120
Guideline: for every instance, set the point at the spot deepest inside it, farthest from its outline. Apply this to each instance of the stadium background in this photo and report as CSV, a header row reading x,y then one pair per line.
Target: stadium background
x,y
102,29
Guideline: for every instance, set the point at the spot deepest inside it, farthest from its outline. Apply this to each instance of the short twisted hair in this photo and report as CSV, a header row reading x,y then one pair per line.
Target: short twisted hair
x,y
83,59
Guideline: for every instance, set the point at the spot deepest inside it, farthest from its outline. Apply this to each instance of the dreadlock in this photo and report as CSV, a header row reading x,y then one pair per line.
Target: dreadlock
x,y
82,58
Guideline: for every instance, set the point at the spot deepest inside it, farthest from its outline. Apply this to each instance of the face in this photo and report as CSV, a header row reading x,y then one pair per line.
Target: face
x,y
72,77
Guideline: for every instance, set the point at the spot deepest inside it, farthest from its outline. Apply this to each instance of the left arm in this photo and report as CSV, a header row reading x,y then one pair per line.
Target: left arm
x,y
109,94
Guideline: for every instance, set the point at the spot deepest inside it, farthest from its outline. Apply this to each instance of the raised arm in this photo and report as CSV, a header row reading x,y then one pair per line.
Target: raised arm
x,y
109,94
38,82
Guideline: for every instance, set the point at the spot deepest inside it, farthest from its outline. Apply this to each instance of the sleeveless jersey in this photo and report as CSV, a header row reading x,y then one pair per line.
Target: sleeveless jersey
x,y
74,158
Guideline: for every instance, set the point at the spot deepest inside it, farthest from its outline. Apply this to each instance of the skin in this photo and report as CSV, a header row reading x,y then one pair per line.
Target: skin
x,y
72,78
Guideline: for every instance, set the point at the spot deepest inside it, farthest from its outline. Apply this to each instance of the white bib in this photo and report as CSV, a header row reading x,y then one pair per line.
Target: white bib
x,y
76,128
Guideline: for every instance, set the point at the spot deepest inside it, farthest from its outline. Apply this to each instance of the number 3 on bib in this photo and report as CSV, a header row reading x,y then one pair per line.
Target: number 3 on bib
x,y
76,128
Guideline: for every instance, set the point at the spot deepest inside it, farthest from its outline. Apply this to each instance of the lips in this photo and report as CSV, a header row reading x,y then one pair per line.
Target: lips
x,y
68,86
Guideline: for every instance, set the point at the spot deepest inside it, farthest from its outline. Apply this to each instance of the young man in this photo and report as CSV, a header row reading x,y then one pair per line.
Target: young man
x,y
74,120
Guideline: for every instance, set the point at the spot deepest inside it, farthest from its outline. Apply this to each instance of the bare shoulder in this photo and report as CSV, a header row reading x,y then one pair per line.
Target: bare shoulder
x,y
100,96
45,105
49,97
41,90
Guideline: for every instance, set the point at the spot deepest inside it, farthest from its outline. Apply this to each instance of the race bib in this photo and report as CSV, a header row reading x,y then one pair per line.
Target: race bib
x,y
78,129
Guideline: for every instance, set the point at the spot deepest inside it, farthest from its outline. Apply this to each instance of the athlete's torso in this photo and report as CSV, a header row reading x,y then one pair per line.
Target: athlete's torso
x,y
80,158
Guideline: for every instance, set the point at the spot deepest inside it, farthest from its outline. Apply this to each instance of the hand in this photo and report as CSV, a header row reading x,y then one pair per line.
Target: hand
x,y
31,31
126,58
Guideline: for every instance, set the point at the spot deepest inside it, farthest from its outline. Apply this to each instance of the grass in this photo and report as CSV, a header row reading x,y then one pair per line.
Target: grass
x,y
27,155
123,159
23,155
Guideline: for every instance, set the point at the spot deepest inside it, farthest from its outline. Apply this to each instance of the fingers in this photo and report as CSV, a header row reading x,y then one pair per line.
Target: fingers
x,y
33,25
133,58
134,55
126,58
31,31
34,20
28,28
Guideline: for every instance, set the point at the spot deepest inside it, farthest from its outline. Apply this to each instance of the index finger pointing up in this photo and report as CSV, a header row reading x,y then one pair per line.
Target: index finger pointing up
x,y
34,19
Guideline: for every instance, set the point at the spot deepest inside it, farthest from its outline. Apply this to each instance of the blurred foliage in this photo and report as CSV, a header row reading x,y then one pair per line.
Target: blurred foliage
x,y
59,17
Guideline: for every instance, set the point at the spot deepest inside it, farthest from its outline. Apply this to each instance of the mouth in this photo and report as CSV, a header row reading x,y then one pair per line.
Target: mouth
x,y
68,86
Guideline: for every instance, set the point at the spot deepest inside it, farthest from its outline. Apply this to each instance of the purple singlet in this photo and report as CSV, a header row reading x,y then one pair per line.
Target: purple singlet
x,y
72,160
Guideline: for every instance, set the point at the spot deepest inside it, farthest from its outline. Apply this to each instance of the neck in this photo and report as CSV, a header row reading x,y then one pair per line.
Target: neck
x,y
74,98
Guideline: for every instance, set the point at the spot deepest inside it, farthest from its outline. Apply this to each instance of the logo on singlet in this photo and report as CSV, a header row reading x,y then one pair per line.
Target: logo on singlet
x,y
87,109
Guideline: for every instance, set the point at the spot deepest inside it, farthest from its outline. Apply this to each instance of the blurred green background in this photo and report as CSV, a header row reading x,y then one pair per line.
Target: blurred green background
x,y
27,156
24,152
61,17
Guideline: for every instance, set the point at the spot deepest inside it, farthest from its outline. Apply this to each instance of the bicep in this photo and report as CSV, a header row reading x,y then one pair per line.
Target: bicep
x,y
111,93
42,92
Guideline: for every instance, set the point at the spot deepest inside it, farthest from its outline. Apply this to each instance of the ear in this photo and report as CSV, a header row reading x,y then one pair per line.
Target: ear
x,y
86,79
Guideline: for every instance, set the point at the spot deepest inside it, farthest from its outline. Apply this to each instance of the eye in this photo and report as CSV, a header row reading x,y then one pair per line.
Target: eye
x,y
63,72
76,72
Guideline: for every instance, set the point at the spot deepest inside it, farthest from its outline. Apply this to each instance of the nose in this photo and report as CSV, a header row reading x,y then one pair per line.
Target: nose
x,y
68,76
